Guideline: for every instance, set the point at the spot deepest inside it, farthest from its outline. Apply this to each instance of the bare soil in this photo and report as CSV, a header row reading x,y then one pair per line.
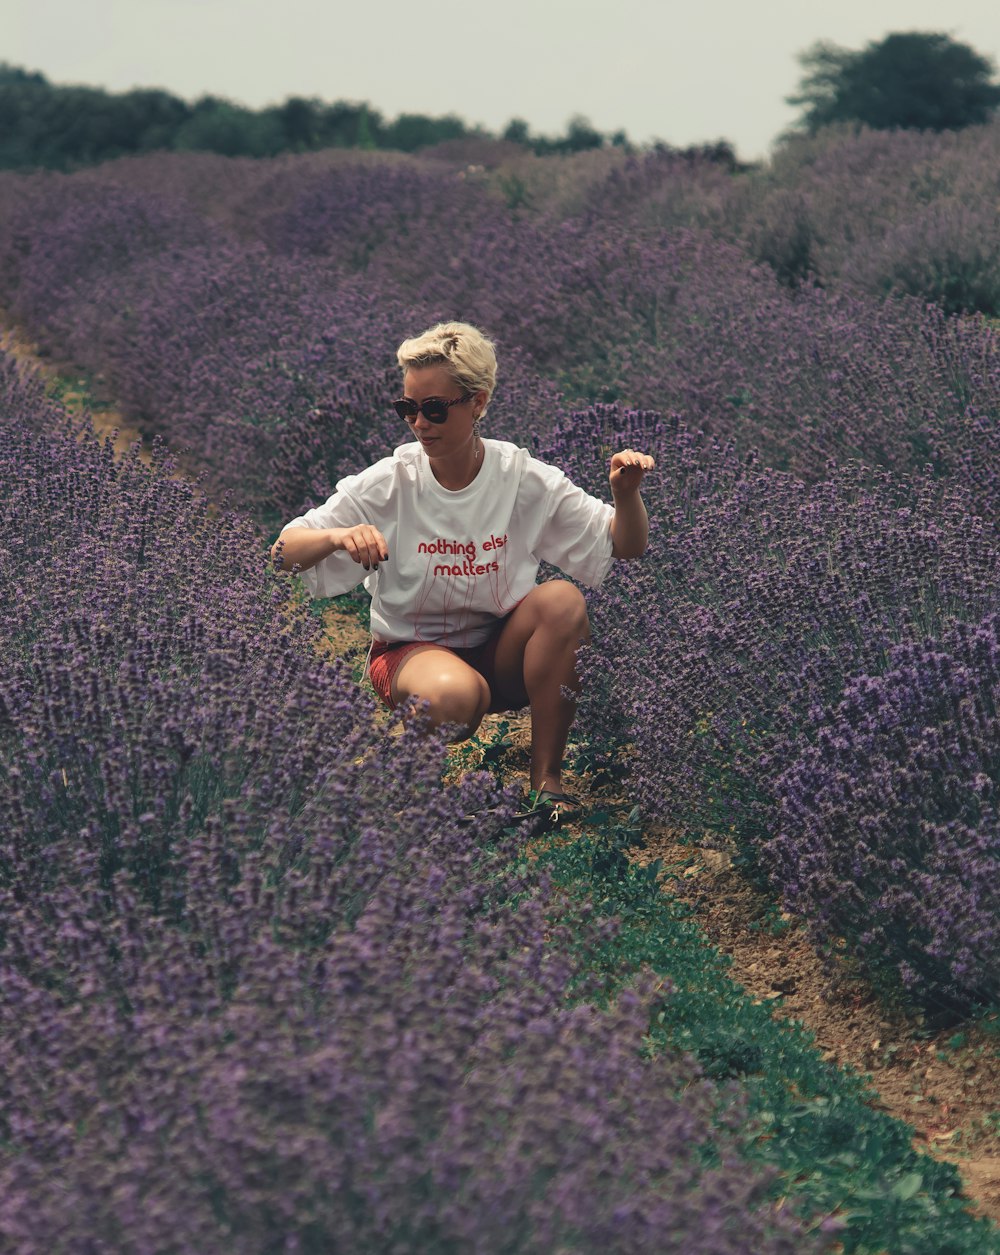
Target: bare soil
x,y
945,1084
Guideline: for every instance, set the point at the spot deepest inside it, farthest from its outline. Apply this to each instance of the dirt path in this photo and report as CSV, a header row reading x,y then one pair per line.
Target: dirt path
x,y
946,1085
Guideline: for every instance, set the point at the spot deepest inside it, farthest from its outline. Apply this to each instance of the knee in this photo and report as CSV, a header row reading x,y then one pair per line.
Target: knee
x,y
563,607
460,700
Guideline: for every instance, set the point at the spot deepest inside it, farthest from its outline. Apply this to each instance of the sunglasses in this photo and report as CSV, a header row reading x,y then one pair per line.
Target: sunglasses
x,y
434,409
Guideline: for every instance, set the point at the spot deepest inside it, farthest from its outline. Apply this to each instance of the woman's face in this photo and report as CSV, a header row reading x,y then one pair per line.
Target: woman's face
x,y
440,440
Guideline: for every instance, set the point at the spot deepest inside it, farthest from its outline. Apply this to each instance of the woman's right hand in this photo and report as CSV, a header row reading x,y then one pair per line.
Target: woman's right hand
x,y
364,543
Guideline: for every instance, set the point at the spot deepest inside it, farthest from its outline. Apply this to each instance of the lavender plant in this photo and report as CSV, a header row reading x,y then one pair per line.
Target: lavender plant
x,y
767,601
254,333
263,988
879,211
888,838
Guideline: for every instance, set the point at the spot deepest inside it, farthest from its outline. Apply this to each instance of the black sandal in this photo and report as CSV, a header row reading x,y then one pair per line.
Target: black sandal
x,y
548,807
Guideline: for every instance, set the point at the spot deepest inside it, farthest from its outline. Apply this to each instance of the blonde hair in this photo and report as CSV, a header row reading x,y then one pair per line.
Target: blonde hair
x,y
469,356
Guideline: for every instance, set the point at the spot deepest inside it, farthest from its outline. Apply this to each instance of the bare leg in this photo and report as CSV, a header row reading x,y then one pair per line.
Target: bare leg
x,y
536,662
456,693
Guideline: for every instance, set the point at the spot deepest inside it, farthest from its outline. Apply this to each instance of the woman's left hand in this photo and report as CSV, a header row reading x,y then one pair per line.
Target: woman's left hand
x,y
627,470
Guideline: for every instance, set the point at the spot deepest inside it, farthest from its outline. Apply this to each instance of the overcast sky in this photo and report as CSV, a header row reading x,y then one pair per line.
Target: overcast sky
x,y
685,71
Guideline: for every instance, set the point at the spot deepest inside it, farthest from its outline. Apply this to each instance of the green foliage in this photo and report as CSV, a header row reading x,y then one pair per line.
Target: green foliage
x,y
580,136
46,125
482,753
15,74
364,134
517,131
411,131
43,124
915,80
221,127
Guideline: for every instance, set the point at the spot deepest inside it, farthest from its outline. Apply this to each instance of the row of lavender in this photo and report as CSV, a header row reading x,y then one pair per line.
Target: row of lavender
x,y
261,991
821,695
785,587
257,331
874,211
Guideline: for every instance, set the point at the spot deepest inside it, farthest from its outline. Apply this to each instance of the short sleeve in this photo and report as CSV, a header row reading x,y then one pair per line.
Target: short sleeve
x,y
338,573
576,535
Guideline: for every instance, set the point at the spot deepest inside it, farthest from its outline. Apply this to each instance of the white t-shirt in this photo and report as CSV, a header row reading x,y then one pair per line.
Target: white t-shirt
x,y
458,561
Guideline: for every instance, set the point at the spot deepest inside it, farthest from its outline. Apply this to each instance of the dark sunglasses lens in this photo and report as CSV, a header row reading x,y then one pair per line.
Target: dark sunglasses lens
x,y
435,411
406,409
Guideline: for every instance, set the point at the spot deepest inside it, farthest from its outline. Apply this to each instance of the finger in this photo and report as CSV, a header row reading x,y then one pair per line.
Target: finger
x,y
630,459
351,547
380,547
357,546
370,546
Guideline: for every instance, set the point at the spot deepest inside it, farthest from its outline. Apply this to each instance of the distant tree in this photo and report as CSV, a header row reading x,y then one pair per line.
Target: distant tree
x,y
21,98
916,80
369,125
219,126
63,127
340,126
15,74
580,135
299,121
149,119
75,125
517,131
719,153
411,131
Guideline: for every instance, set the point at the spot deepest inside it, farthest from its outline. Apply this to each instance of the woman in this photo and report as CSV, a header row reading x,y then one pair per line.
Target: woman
x,y
452,528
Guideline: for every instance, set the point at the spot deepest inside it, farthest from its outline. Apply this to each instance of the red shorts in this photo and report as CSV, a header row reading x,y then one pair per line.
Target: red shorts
x,y
387,658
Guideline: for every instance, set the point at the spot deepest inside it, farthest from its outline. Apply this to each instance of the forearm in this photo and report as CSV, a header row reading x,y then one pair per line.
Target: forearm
x,y
304,547
629,526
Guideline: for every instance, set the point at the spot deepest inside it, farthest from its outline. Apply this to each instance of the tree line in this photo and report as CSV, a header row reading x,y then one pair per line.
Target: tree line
x,y
60,127
918,80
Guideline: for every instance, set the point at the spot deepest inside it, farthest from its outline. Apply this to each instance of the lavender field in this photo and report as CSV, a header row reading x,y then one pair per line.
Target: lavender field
x,y
245,926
